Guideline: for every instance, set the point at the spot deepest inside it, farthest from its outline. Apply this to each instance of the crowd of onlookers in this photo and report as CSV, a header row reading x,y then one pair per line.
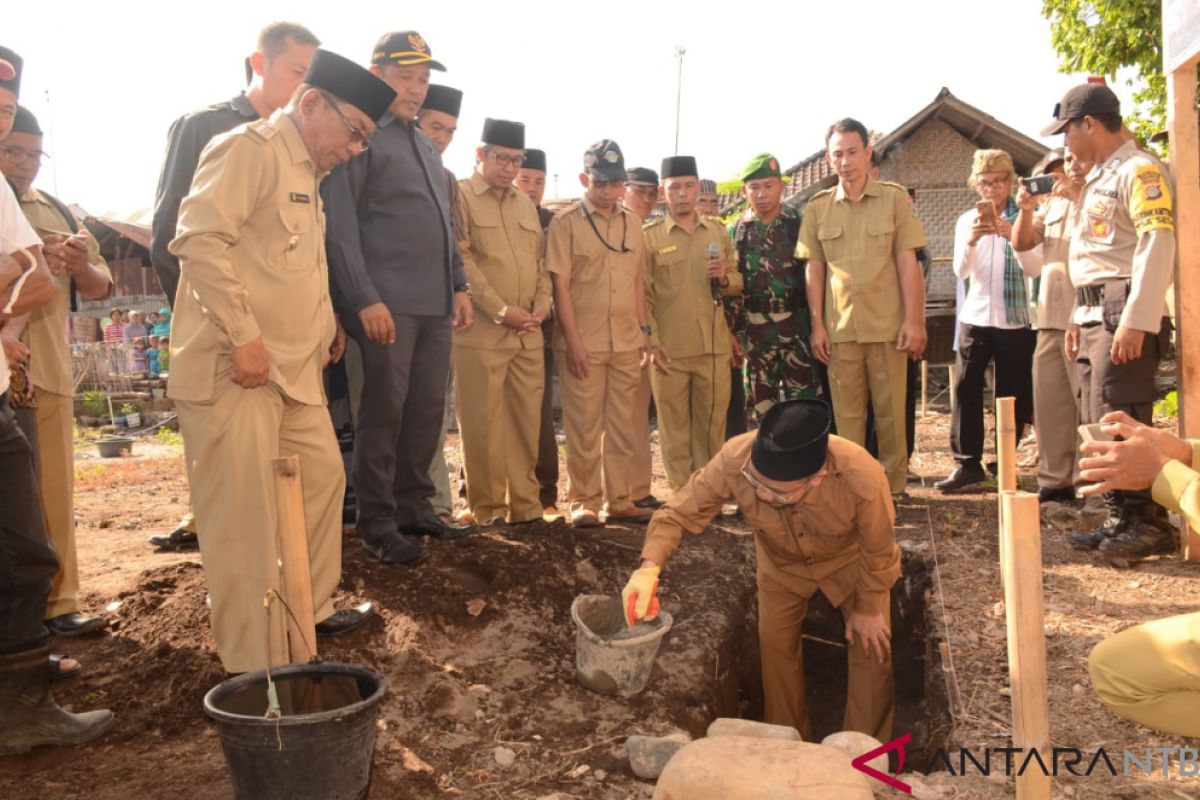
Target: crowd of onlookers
x,y
148,336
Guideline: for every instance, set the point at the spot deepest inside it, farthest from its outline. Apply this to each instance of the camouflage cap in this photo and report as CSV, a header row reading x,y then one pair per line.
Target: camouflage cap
x,y
763,165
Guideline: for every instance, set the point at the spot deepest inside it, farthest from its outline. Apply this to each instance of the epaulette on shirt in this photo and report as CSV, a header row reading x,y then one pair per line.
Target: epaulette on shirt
x,y
648,225
263,129
898,186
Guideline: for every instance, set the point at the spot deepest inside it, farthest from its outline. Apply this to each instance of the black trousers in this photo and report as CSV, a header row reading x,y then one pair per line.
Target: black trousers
x,y
546,469
399,425
1105,386
978,346
27,561
735,416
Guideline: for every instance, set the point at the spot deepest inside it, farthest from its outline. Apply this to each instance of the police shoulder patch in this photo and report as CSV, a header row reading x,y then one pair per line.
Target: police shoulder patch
x,y
1150,205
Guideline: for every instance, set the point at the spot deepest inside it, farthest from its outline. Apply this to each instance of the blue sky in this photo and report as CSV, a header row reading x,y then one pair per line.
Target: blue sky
x,y
757,76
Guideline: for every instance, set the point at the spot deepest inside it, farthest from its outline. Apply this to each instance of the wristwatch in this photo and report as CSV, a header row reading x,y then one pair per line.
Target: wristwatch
x,y
463,287
499,318
646,329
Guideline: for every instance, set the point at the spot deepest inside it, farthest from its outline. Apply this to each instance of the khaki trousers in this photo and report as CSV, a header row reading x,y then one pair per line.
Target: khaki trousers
x,y
229,442
870,690
56,485
1150,674
499,402
639,464
439,471
692,404
1055,411
875,371
597,419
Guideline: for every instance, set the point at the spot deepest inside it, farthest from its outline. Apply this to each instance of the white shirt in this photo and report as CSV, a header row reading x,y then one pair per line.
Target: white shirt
x,y
983,266
15,234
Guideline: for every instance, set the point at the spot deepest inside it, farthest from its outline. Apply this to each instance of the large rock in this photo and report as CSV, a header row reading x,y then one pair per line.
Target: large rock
x,y
854,744
729,726
760,769
648,755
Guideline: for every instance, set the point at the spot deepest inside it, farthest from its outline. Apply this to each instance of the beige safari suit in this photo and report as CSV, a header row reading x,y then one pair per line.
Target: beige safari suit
x,y
693,400
500,375
598,409
54,388
839,539
251,246
859,242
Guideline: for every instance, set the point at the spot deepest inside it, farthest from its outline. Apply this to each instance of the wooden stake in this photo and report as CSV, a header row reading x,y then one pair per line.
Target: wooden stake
x,y
1006,457
1020,531
1185,163
924,388
294,559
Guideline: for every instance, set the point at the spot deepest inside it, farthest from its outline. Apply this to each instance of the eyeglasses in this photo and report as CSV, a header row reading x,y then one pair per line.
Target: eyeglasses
x,y
16,156
781,499
999,183
506,160
356,136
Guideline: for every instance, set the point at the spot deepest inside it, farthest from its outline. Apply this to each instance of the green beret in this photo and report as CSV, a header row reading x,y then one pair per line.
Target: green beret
x,y
763,165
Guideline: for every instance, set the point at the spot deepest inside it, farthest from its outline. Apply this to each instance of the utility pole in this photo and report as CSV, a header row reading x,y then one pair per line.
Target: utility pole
x,y
679,54
556,184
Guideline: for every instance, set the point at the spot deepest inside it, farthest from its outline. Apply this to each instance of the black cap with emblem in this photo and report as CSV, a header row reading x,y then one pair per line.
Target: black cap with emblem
x,y
404,49
604,161
792,441
504,133
534,159
10,78
679,167
1086,100
445,99
349,82
641,176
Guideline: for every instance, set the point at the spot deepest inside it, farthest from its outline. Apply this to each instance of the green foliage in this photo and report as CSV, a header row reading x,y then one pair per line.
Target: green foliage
x,y
1100,37
1169,405
129,408
168,436
733,186
95,402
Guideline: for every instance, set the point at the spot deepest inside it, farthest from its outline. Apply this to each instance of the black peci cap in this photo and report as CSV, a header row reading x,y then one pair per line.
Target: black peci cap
x,y
10,78
679,167
26,122
446,99
349,82
792,441
504,133
534,159
641,176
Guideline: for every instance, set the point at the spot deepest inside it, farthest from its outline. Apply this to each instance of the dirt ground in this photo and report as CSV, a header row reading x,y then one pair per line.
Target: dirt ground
x,y
478,649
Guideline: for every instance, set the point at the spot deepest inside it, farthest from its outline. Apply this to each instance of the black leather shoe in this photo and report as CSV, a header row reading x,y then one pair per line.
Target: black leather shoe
x,y
1090,540
1064,495
964,477
345,620
178,539
394,549
649,501
432,526
75,624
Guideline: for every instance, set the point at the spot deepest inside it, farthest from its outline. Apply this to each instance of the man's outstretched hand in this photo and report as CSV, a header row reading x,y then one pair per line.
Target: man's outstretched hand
x,y
639,598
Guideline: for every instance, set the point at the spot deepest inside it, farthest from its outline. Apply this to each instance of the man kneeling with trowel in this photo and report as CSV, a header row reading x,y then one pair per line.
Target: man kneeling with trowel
x,y
823,520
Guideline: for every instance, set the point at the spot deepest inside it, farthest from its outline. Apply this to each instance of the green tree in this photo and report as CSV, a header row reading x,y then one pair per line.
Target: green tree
x,y
1101,36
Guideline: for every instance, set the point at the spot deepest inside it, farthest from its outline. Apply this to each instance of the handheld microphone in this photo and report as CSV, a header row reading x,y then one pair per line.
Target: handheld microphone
x,y
714,252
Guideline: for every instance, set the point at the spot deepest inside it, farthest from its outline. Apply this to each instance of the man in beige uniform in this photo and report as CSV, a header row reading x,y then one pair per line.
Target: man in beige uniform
x,y
1055,381
641,197
690,265
866,295
1122,261
253,328
823,521
74,258
594,255
498,365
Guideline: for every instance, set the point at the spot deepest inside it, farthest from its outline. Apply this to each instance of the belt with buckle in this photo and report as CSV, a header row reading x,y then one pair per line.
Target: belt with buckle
x,y
773,305
1093,294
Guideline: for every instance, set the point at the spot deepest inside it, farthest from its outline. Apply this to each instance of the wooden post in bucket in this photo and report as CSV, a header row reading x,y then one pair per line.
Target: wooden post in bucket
x,y
1021,552
294,560
1006,457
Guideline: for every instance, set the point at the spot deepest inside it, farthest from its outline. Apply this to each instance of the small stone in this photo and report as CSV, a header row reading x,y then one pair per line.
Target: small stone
x,y
729,726
854,744
648,755
600,774
1134,584
505,758
1006,691
579,772
1079,689
475,606
998,609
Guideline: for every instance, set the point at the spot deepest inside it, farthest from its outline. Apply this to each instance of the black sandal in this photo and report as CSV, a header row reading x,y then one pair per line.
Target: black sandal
x,y
58,672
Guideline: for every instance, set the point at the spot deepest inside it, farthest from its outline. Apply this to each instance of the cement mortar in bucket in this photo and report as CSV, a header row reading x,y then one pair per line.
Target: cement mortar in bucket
x,y
319,748
610,657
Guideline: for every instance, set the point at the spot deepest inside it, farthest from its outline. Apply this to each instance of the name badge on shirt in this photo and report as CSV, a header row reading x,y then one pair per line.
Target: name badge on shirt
x,y
666,250
298,197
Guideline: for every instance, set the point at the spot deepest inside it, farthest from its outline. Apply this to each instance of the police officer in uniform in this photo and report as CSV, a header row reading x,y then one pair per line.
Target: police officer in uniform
x,y
498,364
774,327
690,267
253,328
1121,263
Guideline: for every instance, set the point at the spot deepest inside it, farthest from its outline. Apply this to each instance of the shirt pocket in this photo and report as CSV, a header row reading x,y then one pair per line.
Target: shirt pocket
x,y
299,239
833,241
670,271
585,260
529,246
880,236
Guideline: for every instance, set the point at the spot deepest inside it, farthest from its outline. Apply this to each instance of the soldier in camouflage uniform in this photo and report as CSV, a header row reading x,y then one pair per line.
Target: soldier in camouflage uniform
x,y
772,325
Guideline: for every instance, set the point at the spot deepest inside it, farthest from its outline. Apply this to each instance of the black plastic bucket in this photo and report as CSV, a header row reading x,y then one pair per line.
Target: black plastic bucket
x,y
319,748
